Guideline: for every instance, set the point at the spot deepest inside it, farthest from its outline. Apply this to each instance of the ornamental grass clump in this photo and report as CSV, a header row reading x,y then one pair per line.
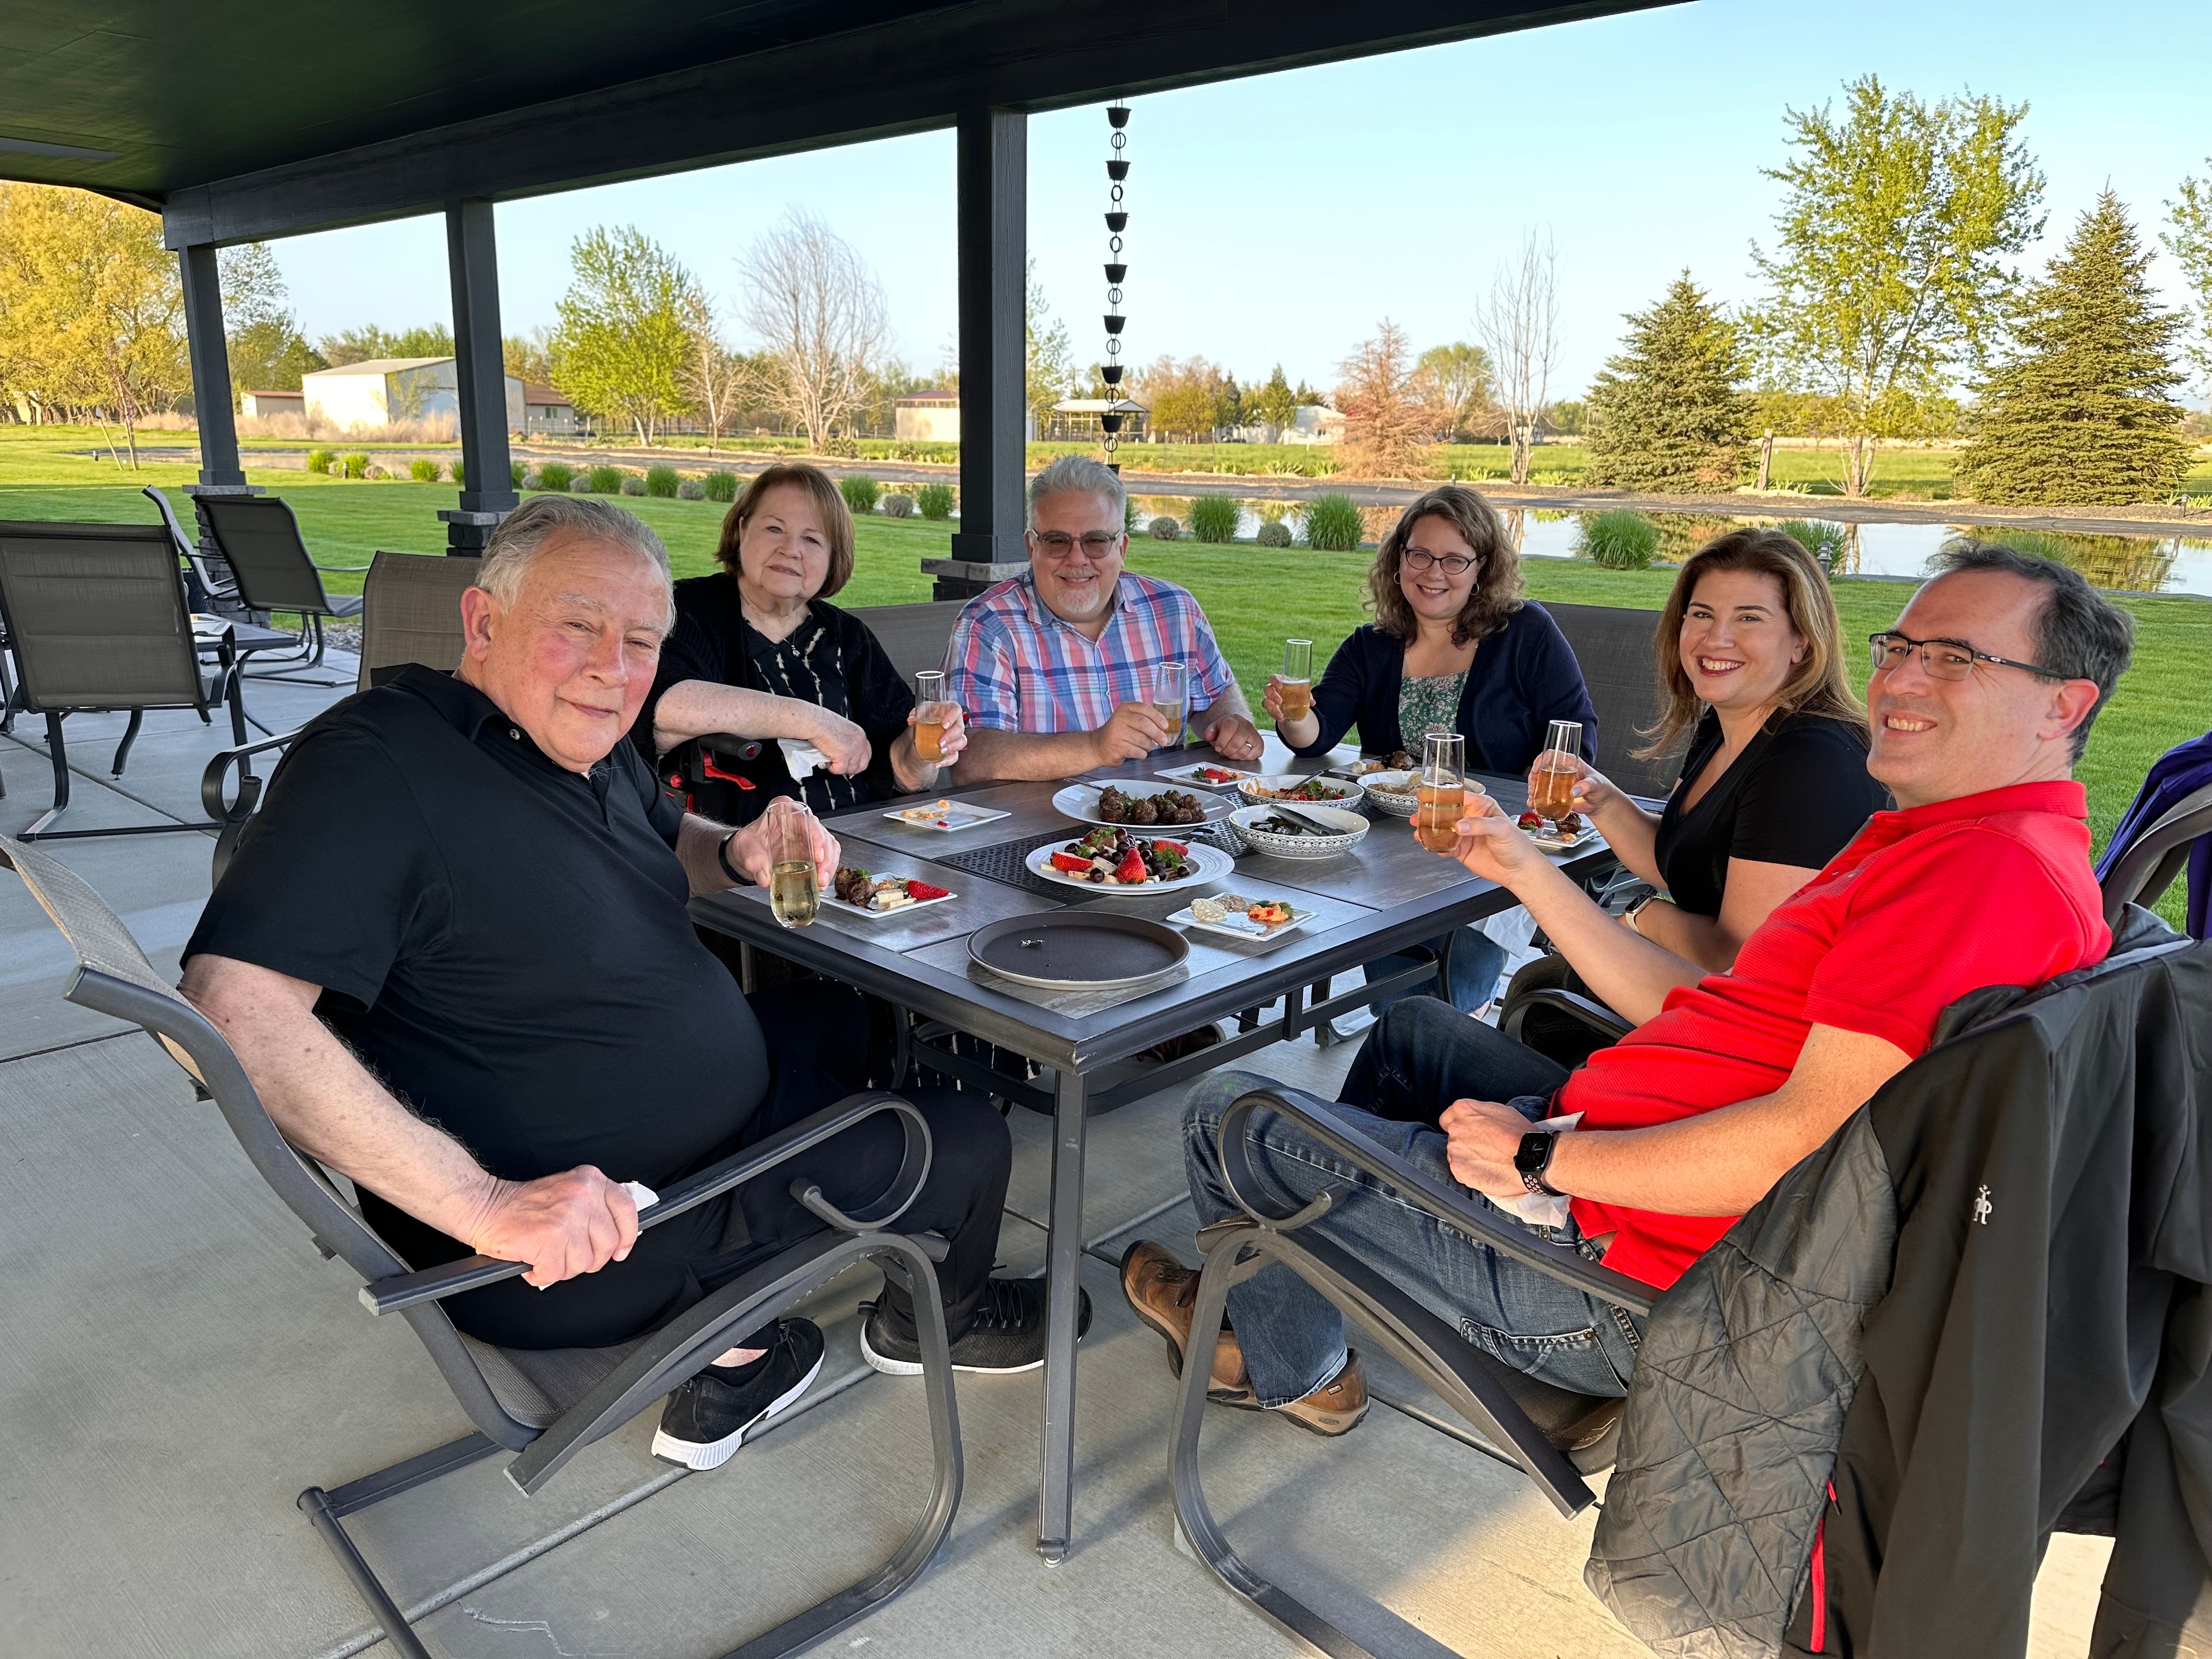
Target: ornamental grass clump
x,y
1333,524
1824,540
356,466
860,494
1213,518
935,501
660,479
556,475
318,460
1618,540
422,471
721,485
606,480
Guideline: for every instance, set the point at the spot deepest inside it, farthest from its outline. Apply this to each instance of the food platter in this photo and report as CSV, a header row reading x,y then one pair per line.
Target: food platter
x,y
1212,864
1319,790
1237,924
1079,951
1080,801
945,815
1196,776
931,894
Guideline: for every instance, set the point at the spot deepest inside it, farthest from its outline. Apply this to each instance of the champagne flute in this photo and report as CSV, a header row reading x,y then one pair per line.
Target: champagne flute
x,y
1295,684
1552,783
1170,680
1442,800
794,887
929,717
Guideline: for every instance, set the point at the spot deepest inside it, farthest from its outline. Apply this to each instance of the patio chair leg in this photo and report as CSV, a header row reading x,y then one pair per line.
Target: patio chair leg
x,y
130,737
59,754
393,1623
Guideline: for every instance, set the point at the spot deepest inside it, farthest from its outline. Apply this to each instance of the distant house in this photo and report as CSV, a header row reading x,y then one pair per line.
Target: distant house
x,y
1314,424
385,390
1077,419
260,404
931,417
545,409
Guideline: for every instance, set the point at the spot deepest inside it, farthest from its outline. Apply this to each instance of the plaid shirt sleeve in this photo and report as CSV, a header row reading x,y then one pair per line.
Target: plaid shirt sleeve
x,y
979,674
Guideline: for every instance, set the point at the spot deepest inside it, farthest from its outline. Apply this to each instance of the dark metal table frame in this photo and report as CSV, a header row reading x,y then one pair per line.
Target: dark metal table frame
x,y
915,960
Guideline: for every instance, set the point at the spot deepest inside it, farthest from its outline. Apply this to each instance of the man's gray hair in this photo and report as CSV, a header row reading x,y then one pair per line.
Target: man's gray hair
x,y
1079,475
523,534
2080,635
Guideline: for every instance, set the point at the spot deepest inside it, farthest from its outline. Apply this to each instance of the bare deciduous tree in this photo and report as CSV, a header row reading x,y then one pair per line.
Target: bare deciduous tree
x,y
717,380
819,315
1519,323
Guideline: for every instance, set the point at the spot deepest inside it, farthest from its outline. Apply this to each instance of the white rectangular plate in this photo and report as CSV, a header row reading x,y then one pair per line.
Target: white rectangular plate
x,y
1550,845
879,916
1237,927
1187,776
959,815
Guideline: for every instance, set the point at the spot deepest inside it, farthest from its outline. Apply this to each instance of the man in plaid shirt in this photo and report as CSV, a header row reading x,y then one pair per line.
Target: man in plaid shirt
x,y
1055,669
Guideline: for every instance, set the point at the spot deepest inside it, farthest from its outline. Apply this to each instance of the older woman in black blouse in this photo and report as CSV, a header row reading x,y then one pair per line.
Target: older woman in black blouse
x,y
757,651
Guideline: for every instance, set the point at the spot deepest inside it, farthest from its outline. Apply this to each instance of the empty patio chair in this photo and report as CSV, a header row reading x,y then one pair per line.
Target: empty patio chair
x,y
544,1406
1613,645
410,612
1556,1436
913,637
96,620
259,538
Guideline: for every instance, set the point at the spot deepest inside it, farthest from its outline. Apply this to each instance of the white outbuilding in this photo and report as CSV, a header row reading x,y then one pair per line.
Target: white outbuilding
x,y
386,390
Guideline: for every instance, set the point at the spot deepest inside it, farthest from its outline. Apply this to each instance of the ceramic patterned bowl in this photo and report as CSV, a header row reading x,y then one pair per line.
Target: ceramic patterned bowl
x,y
1245,821
1397,794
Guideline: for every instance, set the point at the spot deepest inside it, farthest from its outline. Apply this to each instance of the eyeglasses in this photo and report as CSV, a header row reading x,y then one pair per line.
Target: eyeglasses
x,y
1059,545
1944,659
1453,563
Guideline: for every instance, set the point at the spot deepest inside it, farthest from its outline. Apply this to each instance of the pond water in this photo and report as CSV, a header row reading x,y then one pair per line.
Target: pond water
x,y
2139,564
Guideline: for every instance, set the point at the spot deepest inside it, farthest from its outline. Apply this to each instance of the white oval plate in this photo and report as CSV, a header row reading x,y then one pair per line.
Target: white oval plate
x,y
1345,791
1212,864
1079,801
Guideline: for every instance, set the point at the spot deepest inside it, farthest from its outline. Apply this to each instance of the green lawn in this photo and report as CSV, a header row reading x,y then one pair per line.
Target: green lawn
x,y
1255,598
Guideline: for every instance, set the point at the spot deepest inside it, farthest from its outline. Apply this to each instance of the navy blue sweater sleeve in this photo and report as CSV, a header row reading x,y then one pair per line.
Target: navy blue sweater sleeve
x,y
1342,695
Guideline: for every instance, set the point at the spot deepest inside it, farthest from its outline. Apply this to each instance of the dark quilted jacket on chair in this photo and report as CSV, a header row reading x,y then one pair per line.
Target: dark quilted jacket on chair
x,y
1856,1420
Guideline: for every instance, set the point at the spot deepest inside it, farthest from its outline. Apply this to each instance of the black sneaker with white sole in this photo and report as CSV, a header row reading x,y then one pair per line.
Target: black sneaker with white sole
x,y
706,1421
1007,1334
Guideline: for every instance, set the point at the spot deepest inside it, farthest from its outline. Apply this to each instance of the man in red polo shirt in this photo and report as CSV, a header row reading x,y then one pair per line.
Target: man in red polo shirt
x,y
1980,702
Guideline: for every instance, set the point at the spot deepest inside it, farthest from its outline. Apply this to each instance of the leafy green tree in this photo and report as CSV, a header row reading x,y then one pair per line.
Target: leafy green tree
x,y
2082,413
1464,383
1897,228
369,342
2189,239
267,350
1187,398
1670,412
528,357
1274,402
623,340
1049,371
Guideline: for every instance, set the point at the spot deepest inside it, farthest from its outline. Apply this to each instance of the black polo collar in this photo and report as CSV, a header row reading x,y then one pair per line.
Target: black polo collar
x,y
470,711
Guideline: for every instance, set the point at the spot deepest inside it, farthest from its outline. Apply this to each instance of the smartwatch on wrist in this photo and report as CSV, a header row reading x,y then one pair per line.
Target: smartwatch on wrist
x,y
1533,1157
738,878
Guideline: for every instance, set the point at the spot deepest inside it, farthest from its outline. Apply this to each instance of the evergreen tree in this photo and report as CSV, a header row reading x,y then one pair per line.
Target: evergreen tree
x,y
1669,412
2082,413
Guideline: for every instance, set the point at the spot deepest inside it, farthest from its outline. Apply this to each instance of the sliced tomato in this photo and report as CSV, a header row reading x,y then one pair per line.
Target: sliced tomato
x,y
1175,847
1071,863
922,889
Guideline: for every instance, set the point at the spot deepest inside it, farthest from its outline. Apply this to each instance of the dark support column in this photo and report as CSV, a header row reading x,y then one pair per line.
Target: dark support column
x,y
220,471
487,480
993,170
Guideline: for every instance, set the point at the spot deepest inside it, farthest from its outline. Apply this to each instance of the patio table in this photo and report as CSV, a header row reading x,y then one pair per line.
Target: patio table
x,y
1385,896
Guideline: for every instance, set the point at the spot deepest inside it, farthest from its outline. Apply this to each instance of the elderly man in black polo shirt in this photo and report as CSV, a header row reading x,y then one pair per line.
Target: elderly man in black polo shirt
x,y
453,954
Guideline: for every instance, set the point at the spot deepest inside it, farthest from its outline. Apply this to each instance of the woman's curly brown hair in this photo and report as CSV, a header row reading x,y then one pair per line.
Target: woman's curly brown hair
x,y
1497,592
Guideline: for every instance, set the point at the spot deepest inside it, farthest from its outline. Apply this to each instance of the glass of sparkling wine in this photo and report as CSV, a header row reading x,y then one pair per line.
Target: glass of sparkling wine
x,y
1296,683
794,889
1170,680
929,717
1552,781
1442,795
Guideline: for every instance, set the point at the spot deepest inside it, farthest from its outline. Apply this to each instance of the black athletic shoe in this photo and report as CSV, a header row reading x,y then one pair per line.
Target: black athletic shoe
x,y
706,1421
1007,1336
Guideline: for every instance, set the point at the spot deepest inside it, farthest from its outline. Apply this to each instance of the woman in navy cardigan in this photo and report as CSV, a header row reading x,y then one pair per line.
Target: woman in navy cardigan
x,y
1454,645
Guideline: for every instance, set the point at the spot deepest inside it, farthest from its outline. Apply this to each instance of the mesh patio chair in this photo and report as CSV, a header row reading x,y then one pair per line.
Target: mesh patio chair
x,y
96,620
544,1406
259,538
410,613
1613,646
913,637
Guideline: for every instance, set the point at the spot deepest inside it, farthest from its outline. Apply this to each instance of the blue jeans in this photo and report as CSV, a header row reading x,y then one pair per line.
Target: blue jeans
x,y
1477,960
1417,1060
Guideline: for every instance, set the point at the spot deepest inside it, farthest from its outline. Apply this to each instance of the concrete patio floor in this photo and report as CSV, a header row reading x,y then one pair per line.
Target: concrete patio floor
x,y
178,1362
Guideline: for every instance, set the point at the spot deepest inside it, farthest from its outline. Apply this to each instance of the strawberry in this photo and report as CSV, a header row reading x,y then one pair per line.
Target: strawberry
x,y
1131,870
1175,847
1068,862
921,890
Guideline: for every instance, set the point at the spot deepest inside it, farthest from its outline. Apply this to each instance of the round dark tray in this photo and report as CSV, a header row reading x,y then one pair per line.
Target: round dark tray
x,y
1078,951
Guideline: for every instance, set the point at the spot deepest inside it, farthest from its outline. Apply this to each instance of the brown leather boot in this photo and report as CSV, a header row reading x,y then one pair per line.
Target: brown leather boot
x,y
1163,1293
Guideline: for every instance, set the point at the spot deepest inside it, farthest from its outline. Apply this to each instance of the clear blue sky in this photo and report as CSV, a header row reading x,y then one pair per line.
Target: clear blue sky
x,y
1278,218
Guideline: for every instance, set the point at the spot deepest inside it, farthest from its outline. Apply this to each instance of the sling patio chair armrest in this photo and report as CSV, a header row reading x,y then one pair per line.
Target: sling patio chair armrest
x,y
1597,1016
1453,1205
249,786
473,1273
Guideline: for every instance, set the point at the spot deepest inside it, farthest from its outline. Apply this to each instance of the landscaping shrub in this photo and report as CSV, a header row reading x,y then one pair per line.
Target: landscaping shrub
x,y
582,484
1166,529
1213,518
632,484
607,481
516,470
935,501
840,449
1275,533
1823,540
373,470
660,479
1128,516
1332,524
691,489
422,471
556,475
356,466
1618,539
860,494
530,481
318,460
721,485
897,507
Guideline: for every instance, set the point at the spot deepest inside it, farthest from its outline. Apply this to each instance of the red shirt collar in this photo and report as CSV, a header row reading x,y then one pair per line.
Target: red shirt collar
x,y
2061,796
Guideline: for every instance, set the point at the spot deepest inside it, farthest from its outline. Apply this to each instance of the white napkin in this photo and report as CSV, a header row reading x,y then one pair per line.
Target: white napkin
x,y
1538,1209
640,1195
801,757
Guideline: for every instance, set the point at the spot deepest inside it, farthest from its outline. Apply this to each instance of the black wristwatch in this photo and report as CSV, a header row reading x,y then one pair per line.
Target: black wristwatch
x,y
738,878
1533,1157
